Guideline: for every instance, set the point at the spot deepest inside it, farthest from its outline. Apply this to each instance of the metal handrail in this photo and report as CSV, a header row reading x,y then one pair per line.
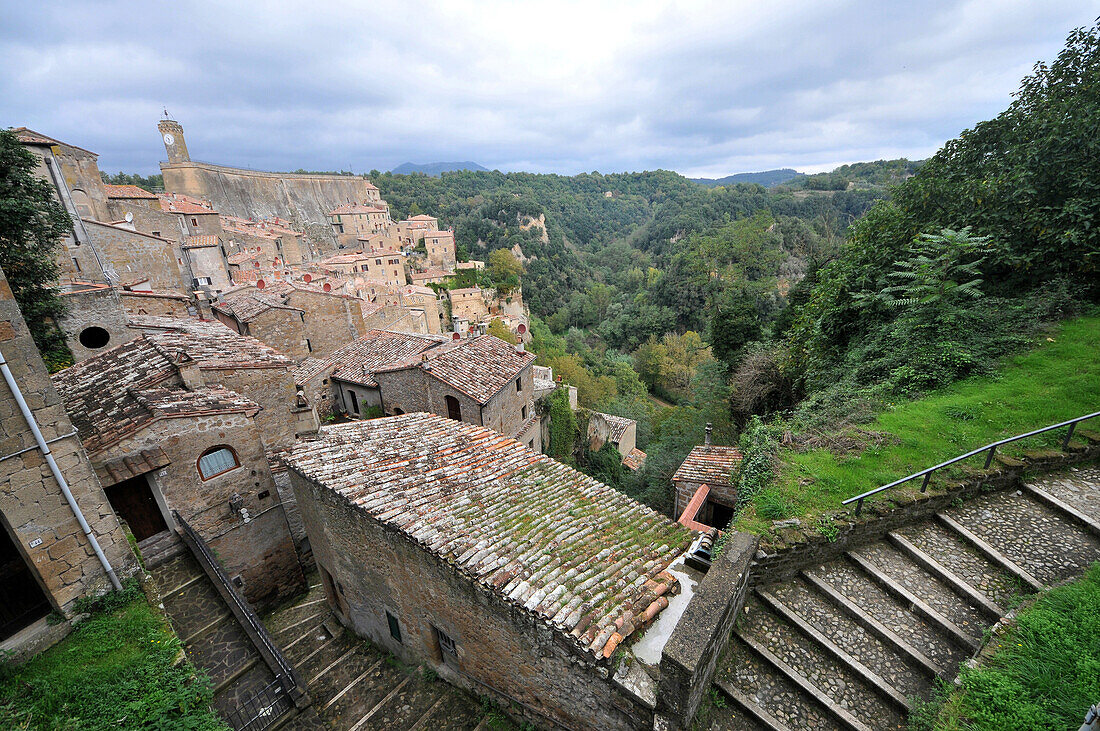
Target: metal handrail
x,y
287,672
990,448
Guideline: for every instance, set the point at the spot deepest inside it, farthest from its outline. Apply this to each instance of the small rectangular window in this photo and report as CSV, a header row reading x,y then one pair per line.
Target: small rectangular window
x,y
523,412
309,345
194,222
156,233
446,644
395,627
519,384
76,264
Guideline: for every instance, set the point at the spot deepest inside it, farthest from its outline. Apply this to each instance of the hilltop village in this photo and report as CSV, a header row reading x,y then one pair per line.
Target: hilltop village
x,y
263,374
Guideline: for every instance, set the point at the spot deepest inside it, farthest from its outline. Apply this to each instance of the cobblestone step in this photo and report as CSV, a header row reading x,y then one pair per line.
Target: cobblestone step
x,y
222,651
736,711
962,559
846,686
760,682
1076,488
174,574
900,618
894,665
1042,541
935,593
403,707
254,679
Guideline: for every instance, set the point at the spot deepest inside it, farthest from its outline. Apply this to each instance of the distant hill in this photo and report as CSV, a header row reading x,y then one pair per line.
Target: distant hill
x,y
767,178
435,168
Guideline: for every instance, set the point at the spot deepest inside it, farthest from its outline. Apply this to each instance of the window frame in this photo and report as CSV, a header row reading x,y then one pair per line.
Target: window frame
x,y
212,450
394,627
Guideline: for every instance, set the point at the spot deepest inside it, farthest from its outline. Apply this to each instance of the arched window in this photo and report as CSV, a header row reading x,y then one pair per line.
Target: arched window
x,y
454,409
217,460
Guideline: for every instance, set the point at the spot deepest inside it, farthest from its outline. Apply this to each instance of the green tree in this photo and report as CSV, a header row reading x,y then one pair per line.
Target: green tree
x,y
500,330
32,225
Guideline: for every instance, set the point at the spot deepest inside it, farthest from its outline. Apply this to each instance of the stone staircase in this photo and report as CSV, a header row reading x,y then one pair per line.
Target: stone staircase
x,y
212,637
356,686
849,643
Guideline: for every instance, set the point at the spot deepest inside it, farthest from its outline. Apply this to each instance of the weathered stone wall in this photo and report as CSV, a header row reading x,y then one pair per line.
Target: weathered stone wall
x,y
505,411
685,489
94,308
209,261
245,193
133,255
502,651
273,389
31,503
700,637
364,398
332,320
138,303
261,551
283,330
414,390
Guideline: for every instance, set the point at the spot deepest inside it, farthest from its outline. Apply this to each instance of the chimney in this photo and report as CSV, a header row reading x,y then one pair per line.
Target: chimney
x,y
709,430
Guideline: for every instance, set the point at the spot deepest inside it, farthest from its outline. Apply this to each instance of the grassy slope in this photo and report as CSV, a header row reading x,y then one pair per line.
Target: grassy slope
x,y
1044,674
1054,382
115,671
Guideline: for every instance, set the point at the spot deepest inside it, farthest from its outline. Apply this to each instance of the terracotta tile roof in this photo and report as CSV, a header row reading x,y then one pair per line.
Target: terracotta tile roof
x,y
248,303
618,425
634,459
201,242
359,360
478,367
114,394
175,203
243,256
422,217
128,191
30,137
577,555
370,186
712,465
210,343
439,235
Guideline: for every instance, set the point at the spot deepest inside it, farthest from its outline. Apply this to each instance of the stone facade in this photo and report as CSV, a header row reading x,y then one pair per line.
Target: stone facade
x,y
138,260
440,247
157,304
94,319
207,263
331,320
34,512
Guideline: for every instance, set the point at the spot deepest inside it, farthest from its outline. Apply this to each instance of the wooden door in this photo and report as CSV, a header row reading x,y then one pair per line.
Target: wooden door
x,y
134,502
22,600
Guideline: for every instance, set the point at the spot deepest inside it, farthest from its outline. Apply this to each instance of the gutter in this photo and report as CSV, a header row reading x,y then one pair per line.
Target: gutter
x,y
44,447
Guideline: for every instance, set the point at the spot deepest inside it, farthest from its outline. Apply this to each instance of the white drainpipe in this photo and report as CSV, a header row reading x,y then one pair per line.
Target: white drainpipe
x,y
45,449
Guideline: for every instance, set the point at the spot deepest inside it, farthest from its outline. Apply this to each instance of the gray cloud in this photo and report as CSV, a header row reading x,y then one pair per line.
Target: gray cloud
x,y
700,87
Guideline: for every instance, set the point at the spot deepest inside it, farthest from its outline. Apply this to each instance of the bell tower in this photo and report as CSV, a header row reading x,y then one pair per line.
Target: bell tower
x,y
171,132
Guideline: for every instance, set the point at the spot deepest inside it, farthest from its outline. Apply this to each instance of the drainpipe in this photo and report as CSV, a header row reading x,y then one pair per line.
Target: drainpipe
x,y
45,449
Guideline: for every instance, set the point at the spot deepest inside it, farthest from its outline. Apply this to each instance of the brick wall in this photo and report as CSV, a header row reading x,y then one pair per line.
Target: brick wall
x,y
31,503
502,651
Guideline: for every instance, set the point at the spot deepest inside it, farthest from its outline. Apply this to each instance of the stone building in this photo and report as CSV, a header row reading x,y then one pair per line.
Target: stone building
x,y
412,230
440,248
332,319
127,258
481,380
130,197
271,241
162,440
72,169
384,267
250,311
621,432
508,573
353,221
241,364
713,467
47,561
207,262
196,215
468,303
94,318
344,380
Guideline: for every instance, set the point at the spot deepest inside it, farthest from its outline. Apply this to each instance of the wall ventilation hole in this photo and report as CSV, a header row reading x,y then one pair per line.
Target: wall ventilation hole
x,y
94,337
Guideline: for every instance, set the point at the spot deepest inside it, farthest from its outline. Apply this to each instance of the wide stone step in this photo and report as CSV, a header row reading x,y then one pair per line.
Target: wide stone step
x,y
222,651
916,629
1078,487
312,667
457,711
176,573
1047,545
252,681
901,672
401,705
967,616
839,682
312,642
765,686
196,608
336,678
727,711
963,560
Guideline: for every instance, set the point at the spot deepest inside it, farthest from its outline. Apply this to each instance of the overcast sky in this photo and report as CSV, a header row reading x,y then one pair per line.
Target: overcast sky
x,y
698,87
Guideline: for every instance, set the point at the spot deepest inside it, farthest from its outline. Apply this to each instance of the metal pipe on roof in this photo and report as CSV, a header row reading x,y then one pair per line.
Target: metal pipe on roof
x,y
44,447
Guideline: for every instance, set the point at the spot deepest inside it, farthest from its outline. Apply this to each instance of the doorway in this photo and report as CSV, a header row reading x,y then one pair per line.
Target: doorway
x,y
133,501
720,515
22,601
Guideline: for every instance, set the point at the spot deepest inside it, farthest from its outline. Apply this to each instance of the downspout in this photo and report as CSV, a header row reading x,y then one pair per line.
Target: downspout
x,y
44,447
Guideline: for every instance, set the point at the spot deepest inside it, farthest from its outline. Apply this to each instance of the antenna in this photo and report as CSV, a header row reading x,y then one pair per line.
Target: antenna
x,y
166,113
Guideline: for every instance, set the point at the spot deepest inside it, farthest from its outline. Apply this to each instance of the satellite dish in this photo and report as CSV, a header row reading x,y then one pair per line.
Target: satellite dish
x,y
129,217
307,278
326,287
260,284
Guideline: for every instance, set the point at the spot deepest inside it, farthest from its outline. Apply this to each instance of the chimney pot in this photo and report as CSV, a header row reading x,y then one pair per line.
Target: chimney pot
x,y
709,429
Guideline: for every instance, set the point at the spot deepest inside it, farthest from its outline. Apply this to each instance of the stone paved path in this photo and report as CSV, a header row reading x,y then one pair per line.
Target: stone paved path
x,y
213,639
356,686
850,643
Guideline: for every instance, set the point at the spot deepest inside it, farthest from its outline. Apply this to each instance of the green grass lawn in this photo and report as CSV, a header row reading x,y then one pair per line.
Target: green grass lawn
x,y
117,670
1044,673
1056,381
